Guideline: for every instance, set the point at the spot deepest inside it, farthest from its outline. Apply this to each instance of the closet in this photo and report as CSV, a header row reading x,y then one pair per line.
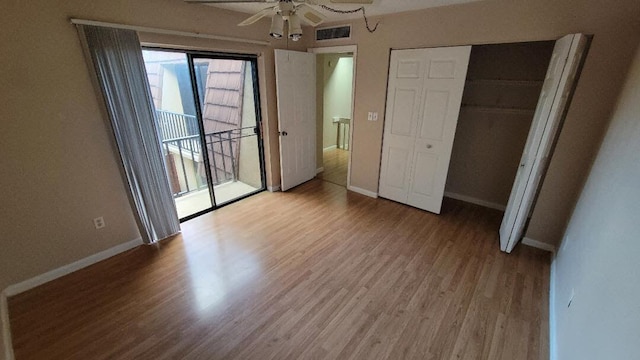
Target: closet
x,y
500,96
503,103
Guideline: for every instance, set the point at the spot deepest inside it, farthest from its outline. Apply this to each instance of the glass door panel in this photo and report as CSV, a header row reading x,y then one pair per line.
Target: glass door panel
x,y
227,95
180,133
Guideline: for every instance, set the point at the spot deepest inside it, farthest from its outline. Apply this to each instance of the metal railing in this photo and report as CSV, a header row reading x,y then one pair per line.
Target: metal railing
x,y
184,155
173,125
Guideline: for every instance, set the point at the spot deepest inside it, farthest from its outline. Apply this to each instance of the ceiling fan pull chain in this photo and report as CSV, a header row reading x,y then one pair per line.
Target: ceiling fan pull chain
x,y
364,14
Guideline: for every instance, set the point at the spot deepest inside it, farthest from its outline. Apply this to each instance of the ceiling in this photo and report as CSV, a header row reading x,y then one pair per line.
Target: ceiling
x,y
379,7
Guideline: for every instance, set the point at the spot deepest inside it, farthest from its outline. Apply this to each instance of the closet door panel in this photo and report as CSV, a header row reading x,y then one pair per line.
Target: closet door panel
x,y
404,97
442,95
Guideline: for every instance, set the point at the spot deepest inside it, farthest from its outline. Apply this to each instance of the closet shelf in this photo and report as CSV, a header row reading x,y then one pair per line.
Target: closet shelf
x,y
497,109
505,82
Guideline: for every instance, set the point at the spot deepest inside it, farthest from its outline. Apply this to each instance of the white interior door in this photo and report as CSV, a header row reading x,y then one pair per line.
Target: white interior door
x,y
558,83
423,103
296,92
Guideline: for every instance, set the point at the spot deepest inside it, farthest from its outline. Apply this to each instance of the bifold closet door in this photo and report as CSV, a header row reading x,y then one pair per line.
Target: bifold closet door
x,y
552,104
423,103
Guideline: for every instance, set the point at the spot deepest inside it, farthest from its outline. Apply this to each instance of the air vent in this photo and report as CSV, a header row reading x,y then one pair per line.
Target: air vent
x,y
340,32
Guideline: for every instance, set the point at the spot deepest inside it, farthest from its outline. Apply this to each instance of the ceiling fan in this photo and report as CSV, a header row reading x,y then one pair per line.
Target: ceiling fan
x,y
291,11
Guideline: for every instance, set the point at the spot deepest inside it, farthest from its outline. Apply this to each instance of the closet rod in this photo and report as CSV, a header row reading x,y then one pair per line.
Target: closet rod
x,y
495,109
167,32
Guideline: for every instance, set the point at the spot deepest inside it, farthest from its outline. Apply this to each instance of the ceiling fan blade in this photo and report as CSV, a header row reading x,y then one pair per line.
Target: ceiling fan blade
x,y
310,15
225,1
255,17
346,2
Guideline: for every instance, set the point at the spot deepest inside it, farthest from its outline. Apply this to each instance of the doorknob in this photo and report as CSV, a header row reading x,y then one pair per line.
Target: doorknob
x,y
429,146
283,133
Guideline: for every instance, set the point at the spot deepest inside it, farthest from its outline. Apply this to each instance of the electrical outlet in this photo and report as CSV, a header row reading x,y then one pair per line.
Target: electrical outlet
x,y
99,222
370,116
375,116
573,293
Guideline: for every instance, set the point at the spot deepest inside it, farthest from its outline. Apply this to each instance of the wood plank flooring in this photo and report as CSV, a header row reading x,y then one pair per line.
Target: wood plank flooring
x,y
314,273
335,163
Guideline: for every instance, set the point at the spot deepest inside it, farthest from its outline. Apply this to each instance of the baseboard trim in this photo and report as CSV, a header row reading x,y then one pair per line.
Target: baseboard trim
x,y
553,355
319,170
363,191
69,268
330,147
539,244
6,327
273,188
476,201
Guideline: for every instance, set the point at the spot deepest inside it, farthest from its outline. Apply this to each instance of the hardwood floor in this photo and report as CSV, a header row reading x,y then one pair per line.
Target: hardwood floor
x,y
335,163
314,273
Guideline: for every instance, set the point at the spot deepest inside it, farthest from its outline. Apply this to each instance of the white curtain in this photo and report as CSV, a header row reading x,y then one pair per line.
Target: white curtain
x,y
116,57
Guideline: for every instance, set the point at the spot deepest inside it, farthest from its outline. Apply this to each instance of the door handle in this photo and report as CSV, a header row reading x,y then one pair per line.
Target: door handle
x,y
283,133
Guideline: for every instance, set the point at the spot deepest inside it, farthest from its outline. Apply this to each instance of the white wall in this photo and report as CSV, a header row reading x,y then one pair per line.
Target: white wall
x,y
600,255
338,90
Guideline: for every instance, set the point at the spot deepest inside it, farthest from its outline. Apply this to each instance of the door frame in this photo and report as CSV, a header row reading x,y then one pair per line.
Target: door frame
x,y
343,50
251,59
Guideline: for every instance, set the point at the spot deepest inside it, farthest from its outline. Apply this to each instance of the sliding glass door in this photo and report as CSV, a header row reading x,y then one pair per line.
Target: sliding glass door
x,y
207,109
227,98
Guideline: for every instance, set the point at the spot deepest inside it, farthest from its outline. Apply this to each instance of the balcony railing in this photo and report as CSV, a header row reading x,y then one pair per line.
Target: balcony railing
x,y
184,156
173,125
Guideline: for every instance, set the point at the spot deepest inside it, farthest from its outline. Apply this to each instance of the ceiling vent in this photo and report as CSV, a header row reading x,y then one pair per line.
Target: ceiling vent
x,y
332,33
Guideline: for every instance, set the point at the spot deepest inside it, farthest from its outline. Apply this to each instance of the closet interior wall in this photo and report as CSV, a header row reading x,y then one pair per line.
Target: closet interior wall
x,y
500,97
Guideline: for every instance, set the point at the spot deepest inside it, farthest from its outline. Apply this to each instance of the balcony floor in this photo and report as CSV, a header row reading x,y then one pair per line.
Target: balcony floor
x,y
200,200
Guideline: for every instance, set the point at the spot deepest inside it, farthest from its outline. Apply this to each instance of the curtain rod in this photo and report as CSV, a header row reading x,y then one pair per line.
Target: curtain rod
x,y
166,32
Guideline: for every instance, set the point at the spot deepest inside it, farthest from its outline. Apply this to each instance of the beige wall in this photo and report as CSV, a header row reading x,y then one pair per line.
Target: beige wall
x,y
502,21
50,111
598,259
490,136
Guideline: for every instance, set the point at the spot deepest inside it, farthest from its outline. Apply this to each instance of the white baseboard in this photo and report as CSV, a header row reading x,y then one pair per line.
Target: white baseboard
x,y
7,344
476,201
273,188
363,191
553,355
330,147
319,170
538,244
29,284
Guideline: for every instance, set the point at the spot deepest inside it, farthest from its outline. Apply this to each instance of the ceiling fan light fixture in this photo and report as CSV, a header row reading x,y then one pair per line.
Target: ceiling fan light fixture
x,y
295,30
277,26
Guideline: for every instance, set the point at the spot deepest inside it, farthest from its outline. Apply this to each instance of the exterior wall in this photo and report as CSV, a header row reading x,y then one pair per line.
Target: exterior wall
x,y
249,157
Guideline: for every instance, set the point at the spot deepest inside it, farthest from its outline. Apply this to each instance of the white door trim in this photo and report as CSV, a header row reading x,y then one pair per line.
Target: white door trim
x,y
341,50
